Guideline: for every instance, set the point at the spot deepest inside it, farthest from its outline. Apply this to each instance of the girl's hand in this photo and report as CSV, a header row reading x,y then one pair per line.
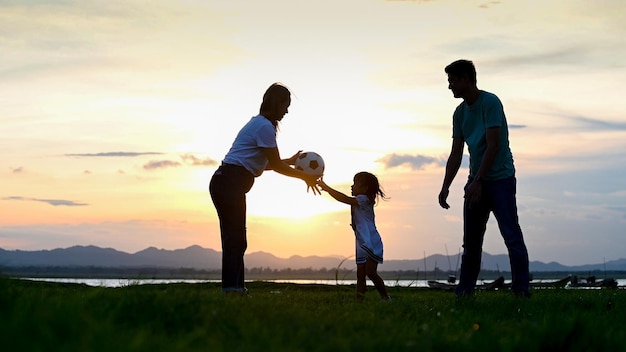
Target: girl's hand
x,y
322,184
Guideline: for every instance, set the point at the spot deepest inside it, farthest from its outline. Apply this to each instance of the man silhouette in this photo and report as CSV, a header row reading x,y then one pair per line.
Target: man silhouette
x,y
479,122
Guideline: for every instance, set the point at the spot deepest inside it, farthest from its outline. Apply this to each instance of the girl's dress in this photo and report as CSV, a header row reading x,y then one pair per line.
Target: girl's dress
x,y
369,244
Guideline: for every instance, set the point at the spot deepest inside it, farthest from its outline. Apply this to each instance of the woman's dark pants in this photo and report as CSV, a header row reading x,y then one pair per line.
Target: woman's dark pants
x,y
228,188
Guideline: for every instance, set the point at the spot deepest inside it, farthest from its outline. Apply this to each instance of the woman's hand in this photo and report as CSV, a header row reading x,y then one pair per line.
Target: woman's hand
x,y
282,167
292,160
311,183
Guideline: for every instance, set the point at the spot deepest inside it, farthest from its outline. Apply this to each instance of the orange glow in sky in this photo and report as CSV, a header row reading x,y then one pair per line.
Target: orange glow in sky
x,y
115,115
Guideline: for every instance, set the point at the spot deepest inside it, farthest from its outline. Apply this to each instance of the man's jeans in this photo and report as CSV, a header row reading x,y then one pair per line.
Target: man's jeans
x,y
228,189
497,197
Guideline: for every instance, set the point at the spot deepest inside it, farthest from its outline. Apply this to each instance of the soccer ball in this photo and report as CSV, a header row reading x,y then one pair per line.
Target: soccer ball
x,y
310,163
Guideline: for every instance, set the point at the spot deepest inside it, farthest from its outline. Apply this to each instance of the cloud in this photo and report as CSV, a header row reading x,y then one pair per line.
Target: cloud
x,y
517,126
586,53
53,202
160,164
188,159
416,162
452,218
489,4
410,0
195,161
18,170
114,154
599,125
561,55
577,122
143,43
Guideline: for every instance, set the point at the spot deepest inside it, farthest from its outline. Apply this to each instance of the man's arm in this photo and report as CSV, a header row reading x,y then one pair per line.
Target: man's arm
x,y
452,167
492,135
473,192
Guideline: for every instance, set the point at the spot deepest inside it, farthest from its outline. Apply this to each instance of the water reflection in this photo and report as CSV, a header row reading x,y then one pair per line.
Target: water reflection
x,y
130,282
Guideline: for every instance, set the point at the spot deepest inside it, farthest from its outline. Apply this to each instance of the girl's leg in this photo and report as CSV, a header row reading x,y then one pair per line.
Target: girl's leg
x,y
371,268
360,281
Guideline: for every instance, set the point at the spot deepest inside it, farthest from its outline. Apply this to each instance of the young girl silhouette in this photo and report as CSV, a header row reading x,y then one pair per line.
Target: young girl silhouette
x,y
369,245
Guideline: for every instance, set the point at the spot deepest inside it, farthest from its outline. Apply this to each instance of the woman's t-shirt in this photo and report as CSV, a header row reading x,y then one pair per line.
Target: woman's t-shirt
x,y
247,149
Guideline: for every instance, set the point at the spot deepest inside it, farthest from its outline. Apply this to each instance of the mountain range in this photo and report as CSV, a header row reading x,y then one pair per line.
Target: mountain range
x,y
197,257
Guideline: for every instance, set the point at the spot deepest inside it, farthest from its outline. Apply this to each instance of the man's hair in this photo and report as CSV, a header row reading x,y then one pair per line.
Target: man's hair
x,y
461,68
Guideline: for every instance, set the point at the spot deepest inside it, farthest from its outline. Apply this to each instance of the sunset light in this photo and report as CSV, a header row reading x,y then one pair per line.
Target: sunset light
x,y
115,115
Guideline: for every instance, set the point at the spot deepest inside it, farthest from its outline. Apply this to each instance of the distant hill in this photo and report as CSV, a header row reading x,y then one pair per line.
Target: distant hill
x,y
197,257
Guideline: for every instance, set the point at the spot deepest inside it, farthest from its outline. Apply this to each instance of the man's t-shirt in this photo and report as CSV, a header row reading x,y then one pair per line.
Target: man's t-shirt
x,y
470,124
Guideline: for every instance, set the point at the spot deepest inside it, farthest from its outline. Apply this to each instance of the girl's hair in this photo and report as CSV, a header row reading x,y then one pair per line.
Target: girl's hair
x,y
373,189
276,94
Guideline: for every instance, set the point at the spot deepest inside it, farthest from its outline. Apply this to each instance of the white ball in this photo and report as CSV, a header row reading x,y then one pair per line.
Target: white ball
x,y
310,163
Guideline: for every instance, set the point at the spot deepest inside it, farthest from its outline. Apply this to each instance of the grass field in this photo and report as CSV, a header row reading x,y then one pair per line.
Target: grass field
x,y
41,316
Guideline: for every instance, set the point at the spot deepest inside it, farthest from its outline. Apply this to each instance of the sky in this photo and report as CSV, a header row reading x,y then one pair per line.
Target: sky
x,y
115,114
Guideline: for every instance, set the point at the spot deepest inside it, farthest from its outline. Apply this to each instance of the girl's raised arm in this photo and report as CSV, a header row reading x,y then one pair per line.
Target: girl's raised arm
x,y
336,194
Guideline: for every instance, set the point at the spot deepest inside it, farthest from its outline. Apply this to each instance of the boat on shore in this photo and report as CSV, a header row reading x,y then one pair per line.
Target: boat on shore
x,y
561,283
591,282
490,286
499,283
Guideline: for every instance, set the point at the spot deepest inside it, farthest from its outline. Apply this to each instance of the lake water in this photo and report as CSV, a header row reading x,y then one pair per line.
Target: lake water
x,y
130,282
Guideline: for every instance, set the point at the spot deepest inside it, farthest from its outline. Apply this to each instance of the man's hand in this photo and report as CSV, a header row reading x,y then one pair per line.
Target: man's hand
x,y
443,197
473,193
